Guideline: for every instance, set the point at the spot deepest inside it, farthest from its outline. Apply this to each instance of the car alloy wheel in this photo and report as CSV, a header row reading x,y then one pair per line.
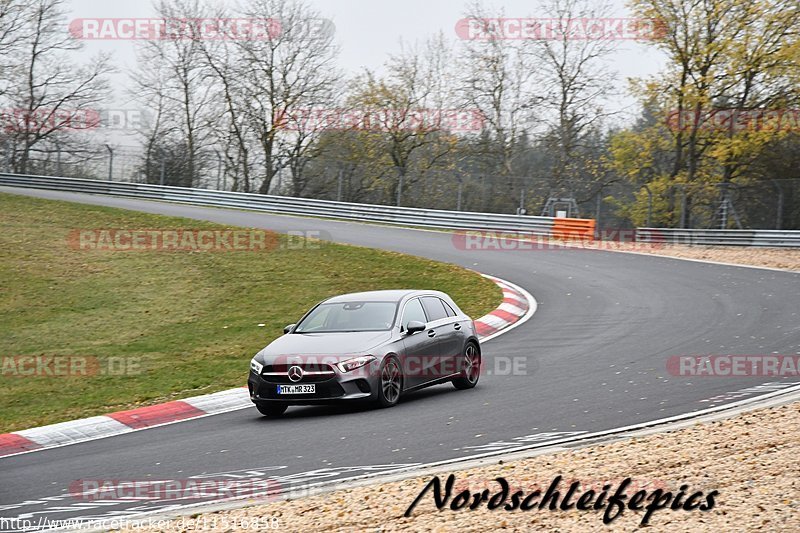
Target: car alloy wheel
x,y
391,382
471,370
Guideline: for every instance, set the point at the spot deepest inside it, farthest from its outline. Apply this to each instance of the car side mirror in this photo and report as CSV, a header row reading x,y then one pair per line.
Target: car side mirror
x,y
289,328
414,326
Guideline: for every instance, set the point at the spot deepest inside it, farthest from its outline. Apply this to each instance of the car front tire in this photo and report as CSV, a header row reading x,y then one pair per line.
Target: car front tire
x,y
472,368
272,409
390,382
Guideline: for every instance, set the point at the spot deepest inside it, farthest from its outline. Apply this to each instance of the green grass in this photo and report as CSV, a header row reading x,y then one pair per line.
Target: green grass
x,y
189,318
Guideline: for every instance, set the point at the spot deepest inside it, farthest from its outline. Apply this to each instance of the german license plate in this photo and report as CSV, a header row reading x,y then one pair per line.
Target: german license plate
x,y
296,389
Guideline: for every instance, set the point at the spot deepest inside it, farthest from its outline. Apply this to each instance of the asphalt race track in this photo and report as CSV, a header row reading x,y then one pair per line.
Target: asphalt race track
x,y
595,358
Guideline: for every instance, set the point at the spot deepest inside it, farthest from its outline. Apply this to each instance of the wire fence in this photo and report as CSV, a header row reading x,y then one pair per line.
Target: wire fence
x,y
773,204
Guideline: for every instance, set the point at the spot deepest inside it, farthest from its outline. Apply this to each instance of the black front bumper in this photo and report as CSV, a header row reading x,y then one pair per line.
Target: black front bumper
x,y
335,389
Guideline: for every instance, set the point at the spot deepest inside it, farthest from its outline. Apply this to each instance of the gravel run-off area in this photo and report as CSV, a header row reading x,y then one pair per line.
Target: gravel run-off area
x,y
752,461
782,258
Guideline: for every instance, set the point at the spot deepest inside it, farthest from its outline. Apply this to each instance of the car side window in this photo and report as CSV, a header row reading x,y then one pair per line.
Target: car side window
x,y
448,309
413,311
434,308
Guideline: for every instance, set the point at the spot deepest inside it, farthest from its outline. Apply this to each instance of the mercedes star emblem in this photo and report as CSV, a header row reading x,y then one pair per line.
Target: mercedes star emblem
x,y
295,373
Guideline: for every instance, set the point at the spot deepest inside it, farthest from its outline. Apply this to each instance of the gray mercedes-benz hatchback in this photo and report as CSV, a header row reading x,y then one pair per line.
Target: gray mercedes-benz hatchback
x,y
371,346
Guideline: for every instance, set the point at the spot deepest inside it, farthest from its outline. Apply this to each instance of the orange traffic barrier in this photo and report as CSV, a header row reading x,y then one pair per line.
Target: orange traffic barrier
x,y
573,228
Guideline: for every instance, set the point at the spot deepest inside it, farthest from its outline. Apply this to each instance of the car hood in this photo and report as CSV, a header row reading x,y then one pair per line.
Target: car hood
x,y
345,343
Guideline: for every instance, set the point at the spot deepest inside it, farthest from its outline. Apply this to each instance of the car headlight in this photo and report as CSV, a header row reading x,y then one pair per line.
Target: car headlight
x,y
356,362
255,366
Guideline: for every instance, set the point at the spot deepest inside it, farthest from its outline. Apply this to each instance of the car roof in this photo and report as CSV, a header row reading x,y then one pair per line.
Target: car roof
x,y
380,296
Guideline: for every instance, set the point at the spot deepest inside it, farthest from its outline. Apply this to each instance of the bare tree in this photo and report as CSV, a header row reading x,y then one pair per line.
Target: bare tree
x,y
150,87
49,92
11,25
172,76
574,84
232,134
405,112
289,70
499,79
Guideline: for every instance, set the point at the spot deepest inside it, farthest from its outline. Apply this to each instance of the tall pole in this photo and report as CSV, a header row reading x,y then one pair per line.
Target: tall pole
x,y
339,180
161,173
649,204
723,205
400,188
110,161
219,167
779,211
458,202
58,158
597,211
683,205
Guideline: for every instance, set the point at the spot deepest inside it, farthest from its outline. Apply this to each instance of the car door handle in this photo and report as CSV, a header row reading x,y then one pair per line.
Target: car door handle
x,y
457,326
431,333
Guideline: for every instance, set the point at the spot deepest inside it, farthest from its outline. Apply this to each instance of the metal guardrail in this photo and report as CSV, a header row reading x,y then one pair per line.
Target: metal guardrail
x,y
408,216
721,237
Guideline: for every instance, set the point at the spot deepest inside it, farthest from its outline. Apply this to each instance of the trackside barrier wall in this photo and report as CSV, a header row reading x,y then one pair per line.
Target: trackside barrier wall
x,y
564,228
721,237
432,218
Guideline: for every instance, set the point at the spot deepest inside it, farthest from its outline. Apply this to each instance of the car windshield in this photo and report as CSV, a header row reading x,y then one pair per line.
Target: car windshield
x,y
349,316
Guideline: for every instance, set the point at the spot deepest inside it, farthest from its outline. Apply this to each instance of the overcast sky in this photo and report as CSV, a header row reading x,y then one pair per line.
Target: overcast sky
x,y
369,30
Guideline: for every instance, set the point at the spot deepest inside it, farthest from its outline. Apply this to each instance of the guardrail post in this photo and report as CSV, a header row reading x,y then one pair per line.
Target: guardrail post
x,y
597,211
219,167
110,161
649,204
400,188
683,205
161,172
779,211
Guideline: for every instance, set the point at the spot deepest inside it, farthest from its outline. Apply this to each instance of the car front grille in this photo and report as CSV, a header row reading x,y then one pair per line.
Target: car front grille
x,y
312,373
